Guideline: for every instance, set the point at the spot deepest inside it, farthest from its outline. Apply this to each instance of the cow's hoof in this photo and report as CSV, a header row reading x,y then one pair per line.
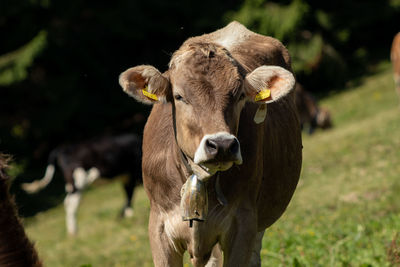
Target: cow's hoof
x,y
128,213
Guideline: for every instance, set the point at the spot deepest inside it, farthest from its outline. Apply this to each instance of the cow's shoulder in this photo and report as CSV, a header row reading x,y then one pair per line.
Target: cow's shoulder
x,y
158,131
159,142
160,162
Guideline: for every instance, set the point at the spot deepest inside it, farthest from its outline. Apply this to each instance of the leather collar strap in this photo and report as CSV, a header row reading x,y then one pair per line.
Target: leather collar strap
x,y
185,160
183,156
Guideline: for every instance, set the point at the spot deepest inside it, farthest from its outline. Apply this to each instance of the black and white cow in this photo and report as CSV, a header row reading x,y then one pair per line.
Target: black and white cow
x,y
83,163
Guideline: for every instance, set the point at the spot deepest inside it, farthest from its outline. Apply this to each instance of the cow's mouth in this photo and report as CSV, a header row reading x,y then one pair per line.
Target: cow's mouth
x,y
205,170
213,167
208,168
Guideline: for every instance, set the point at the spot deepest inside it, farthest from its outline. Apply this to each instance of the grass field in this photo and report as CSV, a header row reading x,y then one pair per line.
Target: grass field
x,y
345,212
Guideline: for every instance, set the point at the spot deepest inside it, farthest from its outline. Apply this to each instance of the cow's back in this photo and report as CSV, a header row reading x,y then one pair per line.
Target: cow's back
x,y
111,155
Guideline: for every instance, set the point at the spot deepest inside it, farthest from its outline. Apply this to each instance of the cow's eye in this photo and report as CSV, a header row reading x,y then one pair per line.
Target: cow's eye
x,y
179,98
242,96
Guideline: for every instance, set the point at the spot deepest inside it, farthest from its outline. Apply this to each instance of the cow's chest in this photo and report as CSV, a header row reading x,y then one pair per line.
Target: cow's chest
x,y
202,235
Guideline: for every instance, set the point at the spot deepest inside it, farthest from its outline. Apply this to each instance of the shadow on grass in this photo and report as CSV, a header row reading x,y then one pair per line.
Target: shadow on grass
x,y
49,197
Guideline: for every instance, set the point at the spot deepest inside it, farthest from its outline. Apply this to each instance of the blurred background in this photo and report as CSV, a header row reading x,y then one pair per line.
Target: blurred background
x,y
60,62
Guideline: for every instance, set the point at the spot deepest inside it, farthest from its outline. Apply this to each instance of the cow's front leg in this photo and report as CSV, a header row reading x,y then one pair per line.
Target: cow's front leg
x,y
129,188
71,203
164,250
238,243
255,255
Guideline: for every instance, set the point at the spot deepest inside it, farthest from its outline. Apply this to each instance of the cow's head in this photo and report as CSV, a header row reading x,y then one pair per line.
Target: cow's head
x,y
208,89
323,118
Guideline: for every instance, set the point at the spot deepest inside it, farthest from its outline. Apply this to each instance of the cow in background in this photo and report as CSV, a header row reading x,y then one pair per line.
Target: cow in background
x,y
16,250
310,113
83,163
395,58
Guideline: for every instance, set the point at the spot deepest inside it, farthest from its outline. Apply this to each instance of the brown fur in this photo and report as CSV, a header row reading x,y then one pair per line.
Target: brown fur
x,y
395,58
211,78
15,248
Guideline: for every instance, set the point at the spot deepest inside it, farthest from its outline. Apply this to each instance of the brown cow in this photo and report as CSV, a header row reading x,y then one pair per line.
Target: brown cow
x,y
310,113
395,58
210,114
15,248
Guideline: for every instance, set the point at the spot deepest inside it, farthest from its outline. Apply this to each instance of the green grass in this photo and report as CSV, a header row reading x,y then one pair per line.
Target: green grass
x,y
345,212
103,238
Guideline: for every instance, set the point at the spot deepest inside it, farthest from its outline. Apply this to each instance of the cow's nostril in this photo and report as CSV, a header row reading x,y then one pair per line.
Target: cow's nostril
x,y
234,146
211,147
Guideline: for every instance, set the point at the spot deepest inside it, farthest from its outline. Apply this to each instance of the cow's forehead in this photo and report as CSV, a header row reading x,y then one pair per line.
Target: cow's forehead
x,y
205,66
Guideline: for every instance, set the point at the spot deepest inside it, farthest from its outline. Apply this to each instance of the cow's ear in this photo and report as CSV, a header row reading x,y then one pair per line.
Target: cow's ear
x,y
267,84
146,84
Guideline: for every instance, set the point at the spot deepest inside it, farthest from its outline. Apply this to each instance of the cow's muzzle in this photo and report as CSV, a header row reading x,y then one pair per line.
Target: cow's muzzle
x,y
218,151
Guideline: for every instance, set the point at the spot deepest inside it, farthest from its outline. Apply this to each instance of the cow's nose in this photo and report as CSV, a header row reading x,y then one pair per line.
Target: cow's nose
x,y
218,148
222,148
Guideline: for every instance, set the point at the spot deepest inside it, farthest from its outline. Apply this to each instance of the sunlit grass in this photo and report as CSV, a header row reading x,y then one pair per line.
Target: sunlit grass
x,y
103,238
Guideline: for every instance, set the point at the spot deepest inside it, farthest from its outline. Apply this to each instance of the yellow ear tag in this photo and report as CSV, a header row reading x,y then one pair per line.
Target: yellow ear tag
x,y
264,94
149,95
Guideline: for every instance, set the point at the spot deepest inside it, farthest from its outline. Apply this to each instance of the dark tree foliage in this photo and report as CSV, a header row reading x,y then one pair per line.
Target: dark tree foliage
x,y
61,60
